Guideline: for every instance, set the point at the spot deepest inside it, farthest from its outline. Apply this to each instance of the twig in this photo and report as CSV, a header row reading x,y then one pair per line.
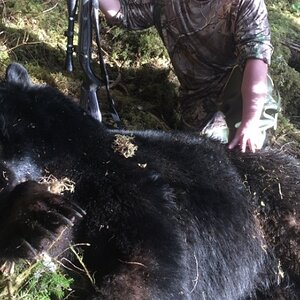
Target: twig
x,y
133,263
92,280
69,262
22,44
280,191
75,245
4,9
197,275
9,282
49,9
282,148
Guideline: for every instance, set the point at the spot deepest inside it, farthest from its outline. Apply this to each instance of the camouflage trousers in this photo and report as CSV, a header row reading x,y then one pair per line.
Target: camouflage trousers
x,y
221,119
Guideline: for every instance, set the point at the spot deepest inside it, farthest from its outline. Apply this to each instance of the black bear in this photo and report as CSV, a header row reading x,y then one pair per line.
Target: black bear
x,y
167,215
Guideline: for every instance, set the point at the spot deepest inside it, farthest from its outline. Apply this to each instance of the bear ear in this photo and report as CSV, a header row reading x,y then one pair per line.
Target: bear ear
x,y
18,75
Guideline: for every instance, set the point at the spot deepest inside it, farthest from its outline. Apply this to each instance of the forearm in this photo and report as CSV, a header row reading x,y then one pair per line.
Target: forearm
x,y
254,90
110,8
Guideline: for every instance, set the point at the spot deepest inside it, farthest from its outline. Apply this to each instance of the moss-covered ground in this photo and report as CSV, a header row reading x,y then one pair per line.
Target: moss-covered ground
x,y
143,84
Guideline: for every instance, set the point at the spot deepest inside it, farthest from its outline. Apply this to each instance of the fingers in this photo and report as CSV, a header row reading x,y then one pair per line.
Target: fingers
x,y
254,145
244,143
234,142
251,145
244,146
245,139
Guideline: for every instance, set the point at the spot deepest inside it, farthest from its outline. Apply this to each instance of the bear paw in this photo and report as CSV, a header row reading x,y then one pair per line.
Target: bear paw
x,y
34,220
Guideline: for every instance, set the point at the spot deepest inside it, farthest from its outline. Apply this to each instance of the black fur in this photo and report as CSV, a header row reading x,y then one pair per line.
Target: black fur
x,y
175,221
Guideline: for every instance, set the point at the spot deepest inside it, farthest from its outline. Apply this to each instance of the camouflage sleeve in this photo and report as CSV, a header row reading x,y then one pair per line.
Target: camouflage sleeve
x,y
135,14
252,36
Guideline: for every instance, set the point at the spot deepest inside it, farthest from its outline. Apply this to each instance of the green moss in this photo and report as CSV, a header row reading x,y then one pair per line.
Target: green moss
x,y
33,34
45,285
42,280
285,27
134,48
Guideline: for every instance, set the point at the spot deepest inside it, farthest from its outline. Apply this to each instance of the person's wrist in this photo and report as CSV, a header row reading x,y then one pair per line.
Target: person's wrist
x,y
250,122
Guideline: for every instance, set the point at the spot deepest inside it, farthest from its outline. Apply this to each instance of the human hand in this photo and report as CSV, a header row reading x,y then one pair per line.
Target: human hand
x,y
248,136
110,8
254,91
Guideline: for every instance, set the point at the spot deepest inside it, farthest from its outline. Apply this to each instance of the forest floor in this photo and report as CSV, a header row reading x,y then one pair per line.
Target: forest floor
x,y
143,83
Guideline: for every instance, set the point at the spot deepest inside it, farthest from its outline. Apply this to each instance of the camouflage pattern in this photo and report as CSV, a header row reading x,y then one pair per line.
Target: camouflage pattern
x,y
205,40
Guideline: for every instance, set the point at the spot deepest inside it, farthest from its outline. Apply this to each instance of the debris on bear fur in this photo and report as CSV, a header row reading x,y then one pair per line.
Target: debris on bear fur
x,y
58,186
280,219
180,217
124,145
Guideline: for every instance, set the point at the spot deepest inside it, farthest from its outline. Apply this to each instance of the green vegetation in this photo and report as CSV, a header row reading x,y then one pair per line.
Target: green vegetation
x,y
144,88
285,24
42,280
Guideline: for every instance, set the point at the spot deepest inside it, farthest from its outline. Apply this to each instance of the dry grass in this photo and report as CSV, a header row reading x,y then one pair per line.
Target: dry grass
x,y
124,145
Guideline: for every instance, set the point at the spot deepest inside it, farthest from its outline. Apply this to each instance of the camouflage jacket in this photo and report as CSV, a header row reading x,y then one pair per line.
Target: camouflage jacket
x,y
204,38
